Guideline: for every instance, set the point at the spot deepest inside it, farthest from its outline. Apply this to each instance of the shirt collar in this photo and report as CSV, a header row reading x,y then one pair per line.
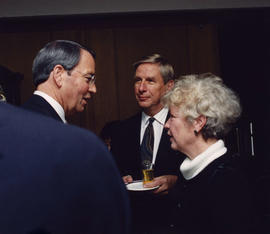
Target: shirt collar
x,y
55,105
160,117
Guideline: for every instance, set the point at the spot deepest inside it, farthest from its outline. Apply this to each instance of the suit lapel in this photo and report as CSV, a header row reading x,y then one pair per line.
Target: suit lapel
x,y
39,104
135,132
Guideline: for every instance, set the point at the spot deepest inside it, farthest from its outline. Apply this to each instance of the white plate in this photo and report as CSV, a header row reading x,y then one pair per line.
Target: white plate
x,y
138,186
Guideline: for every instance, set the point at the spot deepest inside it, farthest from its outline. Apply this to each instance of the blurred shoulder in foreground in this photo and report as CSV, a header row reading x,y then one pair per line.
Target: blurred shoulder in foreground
x,y
56,178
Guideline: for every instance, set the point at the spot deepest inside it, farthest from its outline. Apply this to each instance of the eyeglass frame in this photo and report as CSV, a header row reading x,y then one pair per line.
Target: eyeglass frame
x,y
91,78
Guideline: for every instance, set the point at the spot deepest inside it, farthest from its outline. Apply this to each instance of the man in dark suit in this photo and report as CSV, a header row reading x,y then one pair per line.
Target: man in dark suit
x,y
57,179
154,76
64,76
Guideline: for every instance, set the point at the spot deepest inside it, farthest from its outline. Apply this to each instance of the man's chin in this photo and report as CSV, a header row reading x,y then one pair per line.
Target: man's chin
x,y
80,108
143,104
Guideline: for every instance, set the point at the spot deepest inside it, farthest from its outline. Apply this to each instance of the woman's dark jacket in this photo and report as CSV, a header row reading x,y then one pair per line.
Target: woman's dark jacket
x,y
217,200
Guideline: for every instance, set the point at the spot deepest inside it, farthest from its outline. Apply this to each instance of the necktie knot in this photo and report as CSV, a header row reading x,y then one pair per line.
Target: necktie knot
x,y
151,120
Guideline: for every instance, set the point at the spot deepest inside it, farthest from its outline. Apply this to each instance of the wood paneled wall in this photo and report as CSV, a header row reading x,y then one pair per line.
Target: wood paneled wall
x,y
190,47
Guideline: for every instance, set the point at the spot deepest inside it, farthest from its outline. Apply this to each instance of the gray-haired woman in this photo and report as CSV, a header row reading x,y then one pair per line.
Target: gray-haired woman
x,y
213,193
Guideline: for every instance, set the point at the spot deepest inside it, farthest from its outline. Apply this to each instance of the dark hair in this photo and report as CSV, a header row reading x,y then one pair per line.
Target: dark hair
x,y
166,69
62,52
109,129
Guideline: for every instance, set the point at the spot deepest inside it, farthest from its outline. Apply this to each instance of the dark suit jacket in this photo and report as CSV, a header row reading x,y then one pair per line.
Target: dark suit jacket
x,y
57,179
126,151
38,104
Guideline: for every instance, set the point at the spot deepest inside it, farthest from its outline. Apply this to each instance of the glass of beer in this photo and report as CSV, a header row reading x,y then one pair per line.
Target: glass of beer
x,y
147,171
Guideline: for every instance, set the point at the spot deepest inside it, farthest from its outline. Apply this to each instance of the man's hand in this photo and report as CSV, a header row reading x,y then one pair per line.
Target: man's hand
x,y
165,183
127,179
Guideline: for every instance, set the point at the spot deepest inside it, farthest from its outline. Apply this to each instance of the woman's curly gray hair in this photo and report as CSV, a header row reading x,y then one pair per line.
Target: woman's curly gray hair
x,y
206,95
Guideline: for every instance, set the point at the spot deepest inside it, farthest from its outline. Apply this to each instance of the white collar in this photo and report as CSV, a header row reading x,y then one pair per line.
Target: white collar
x,y
55,105
190,168
160,117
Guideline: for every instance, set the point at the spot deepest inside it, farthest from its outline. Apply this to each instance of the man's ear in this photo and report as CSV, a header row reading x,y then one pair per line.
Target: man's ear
x,y
199,123
57,74
169,85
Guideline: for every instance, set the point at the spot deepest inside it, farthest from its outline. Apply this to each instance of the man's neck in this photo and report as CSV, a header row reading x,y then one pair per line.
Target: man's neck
x,y
152,112
50,90
55,105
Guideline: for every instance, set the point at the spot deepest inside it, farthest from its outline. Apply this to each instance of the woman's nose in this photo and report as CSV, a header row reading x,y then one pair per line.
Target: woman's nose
x,y
167,124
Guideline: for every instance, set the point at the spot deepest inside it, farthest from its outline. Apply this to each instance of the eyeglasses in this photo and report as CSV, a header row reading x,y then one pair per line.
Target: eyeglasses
x,y
90,78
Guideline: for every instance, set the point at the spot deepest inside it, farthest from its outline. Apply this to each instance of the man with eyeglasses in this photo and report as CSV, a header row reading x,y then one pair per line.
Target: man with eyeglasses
x,y
64,76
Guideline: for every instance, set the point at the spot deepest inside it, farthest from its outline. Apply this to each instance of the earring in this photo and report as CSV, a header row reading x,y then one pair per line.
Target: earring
x,y
195,132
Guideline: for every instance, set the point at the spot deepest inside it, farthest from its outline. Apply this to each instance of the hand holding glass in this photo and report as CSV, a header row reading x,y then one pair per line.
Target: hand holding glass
x,y
148,171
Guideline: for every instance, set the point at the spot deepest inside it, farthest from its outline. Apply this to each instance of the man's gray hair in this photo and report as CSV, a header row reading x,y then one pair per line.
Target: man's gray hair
x,y
166,69
60,52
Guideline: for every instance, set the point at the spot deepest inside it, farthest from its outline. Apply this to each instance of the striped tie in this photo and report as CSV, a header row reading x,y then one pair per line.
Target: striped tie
x,y
148,143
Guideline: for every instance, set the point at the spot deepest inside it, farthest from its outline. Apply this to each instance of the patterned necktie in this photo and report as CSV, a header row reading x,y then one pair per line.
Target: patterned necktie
x,y
148,143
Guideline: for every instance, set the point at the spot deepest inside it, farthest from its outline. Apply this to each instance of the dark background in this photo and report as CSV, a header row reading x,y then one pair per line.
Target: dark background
x,y
232,43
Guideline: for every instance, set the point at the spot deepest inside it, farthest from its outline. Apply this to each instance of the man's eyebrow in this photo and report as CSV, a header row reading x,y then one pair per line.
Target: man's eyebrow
x,y
89,74
150,78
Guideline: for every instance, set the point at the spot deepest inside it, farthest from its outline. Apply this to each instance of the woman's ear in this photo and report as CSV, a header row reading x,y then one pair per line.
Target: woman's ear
x,y
58,72
199,123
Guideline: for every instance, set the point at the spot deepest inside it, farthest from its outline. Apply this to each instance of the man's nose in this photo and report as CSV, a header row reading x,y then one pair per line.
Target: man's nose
x,y
142,86
92,88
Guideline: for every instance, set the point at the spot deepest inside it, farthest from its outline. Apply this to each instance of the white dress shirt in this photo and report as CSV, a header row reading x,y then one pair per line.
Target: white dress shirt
x,y
158,126
55,105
